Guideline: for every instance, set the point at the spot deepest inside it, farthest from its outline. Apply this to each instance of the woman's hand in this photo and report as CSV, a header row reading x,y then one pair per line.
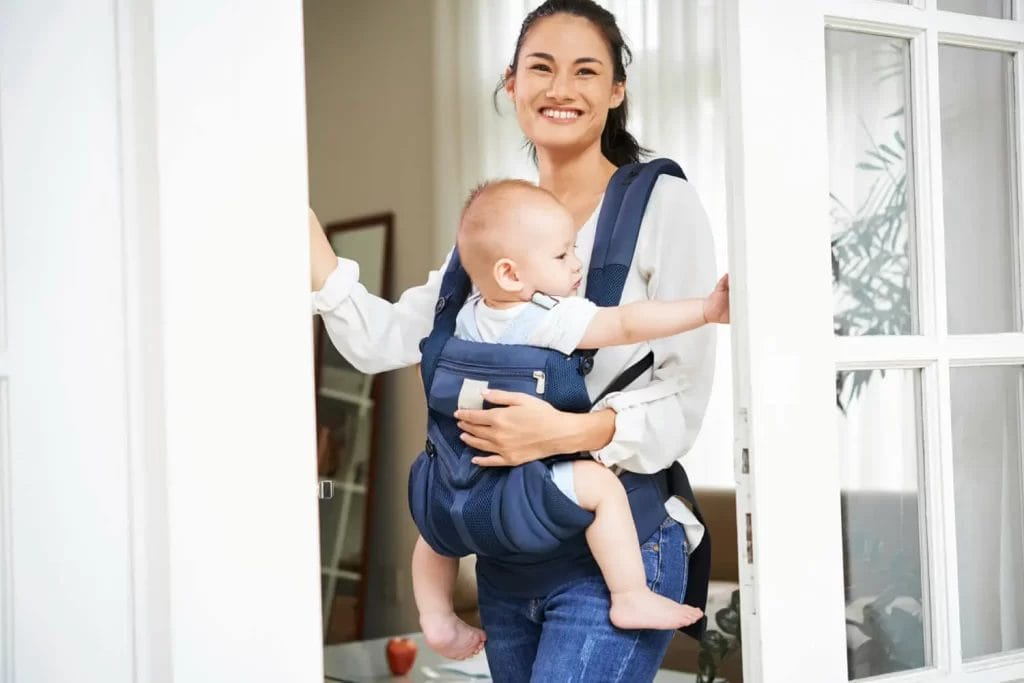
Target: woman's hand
x,y
528,428
716,305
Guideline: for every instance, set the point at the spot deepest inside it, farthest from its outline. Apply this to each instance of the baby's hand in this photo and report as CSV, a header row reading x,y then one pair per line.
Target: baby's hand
x,y
716,305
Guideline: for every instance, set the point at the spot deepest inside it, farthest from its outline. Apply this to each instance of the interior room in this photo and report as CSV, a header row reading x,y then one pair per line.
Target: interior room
x,y
414,85
196,486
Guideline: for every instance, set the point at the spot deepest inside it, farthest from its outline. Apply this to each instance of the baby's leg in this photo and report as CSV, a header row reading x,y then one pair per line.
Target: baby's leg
x,y
614,544
433,584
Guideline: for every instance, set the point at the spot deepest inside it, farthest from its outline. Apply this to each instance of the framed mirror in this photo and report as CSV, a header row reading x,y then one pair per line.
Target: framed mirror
x,y
347,407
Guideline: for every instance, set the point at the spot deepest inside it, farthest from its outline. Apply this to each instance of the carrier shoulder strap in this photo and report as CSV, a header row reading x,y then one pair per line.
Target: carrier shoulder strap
x,y
455,289
618,227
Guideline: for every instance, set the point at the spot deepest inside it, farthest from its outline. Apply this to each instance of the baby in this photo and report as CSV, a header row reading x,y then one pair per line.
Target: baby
x,y
516,243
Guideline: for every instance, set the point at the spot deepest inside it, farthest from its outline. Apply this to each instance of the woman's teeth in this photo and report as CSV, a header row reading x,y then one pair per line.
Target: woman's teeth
x,y
560,114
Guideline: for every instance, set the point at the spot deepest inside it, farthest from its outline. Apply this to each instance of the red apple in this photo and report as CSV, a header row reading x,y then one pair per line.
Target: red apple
x,y
401,654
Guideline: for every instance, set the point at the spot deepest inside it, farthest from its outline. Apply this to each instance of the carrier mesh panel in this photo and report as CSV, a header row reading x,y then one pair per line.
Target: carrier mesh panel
x,y
449,431
607,280
439,512
477,515
567,385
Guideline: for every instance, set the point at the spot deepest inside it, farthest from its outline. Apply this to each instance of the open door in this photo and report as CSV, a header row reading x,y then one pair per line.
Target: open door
x,y
875,217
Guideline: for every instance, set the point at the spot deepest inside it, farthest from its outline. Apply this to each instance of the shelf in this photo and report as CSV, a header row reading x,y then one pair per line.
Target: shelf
x,y
346,397
345,486
341,573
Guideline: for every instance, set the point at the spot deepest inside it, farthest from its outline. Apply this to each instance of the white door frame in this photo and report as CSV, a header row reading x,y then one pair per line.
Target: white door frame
x,y
159,480
788,479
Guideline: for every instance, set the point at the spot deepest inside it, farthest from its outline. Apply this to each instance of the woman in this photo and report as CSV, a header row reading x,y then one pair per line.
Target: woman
x,y
567,81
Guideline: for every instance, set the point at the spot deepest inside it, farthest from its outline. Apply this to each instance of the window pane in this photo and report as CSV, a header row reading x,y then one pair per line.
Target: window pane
x,y
881,461
869,184
986,414
977,180
998,9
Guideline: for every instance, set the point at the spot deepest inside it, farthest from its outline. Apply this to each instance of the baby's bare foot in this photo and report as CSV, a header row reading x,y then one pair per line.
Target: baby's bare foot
x,y
450,636
647,609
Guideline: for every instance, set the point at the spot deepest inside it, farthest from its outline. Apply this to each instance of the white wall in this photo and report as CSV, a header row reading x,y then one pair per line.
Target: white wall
x,y
369,98
66,569
153,217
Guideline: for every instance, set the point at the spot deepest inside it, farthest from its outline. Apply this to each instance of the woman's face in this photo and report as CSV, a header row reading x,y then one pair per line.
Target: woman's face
x,y
562,88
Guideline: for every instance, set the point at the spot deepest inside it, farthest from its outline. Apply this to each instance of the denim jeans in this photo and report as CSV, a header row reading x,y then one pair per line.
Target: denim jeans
x,y
566,637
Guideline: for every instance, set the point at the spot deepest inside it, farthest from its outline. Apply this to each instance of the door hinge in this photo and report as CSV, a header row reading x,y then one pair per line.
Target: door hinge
x,y
750,540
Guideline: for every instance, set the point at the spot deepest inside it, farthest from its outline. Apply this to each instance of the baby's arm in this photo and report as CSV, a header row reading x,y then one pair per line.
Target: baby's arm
x,y
646,320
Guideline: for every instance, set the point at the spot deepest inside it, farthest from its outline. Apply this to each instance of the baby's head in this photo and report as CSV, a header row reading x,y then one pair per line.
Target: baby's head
x,y
516,239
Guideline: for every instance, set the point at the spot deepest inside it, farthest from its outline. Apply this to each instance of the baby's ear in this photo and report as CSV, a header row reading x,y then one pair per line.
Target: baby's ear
x,y
506,274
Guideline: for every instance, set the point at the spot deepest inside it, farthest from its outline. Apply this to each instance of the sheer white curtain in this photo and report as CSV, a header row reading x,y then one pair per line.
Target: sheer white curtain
x,y
675,110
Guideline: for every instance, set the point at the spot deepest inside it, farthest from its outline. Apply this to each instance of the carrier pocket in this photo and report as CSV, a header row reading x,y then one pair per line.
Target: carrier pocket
x,y
449,375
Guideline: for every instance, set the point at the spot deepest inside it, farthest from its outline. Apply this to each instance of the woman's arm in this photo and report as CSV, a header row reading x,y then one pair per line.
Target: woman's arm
x,y
529,428
373,334
322,259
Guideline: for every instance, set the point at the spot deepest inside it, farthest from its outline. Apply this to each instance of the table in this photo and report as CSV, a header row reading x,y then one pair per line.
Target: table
x,y
365,661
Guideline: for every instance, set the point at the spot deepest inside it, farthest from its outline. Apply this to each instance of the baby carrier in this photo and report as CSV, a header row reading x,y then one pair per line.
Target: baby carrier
x,y
461,508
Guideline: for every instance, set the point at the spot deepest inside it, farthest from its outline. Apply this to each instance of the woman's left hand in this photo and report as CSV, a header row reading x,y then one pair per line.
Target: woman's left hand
x,y
524,430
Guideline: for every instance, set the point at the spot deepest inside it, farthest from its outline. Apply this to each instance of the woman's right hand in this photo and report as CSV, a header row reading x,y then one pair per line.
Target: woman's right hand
x,y
322,259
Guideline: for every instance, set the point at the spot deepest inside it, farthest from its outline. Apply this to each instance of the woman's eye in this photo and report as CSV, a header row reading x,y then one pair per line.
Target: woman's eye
x,y
540,67
586,72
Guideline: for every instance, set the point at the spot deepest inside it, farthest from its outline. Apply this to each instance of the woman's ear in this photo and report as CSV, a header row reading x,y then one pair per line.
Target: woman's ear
x,y
510,84
618,94
506,274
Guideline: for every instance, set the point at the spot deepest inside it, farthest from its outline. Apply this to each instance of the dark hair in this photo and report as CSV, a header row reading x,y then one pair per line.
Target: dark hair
x,y
617,144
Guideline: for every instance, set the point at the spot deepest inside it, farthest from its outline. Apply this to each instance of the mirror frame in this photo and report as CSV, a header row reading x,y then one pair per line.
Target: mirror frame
x,y
385,219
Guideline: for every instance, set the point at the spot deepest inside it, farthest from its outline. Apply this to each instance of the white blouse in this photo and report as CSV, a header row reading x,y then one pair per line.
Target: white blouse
x,y
658,417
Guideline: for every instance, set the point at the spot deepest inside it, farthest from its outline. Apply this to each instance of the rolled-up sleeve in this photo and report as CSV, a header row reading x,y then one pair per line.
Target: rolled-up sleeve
x,y
374,334
657,424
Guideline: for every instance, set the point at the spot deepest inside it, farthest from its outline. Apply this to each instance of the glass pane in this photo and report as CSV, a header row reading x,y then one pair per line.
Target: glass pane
x,y
881,461
870,188
977,182
998,9
987,482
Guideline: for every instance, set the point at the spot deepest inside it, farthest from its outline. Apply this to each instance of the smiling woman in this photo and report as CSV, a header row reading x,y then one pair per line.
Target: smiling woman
x,y
566,79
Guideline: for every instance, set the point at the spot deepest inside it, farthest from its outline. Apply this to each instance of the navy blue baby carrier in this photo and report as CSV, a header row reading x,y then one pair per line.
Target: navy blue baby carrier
x,y
461,508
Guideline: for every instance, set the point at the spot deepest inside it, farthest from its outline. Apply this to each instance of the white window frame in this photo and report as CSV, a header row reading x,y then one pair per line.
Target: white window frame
x,y
766,183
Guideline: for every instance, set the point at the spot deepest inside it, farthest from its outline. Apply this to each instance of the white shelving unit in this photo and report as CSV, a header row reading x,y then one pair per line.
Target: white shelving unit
x,y
353,389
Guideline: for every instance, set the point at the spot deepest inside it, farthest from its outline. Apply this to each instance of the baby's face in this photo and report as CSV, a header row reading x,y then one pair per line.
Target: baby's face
x,y
548,262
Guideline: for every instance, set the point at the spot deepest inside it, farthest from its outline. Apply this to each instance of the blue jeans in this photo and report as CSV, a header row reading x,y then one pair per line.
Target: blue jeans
x,y
566,637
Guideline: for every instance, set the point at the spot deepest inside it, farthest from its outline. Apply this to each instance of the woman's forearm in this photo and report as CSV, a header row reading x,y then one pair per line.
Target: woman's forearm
x,y
322,259
585,431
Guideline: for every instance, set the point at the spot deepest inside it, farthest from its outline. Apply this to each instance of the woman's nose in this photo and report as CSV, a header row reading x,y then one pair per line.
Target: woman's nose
x,y
560,87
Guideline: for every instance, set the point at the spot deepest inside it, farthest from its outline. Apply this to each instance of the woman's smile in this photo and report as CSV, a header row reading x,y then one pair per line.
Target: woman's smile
x,y
560,115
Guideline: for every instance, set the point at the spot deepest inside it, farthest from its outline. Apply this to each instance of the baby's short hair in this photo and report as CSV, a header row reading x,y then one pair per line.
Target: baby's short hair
x,y
491,197
494,220
490,216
